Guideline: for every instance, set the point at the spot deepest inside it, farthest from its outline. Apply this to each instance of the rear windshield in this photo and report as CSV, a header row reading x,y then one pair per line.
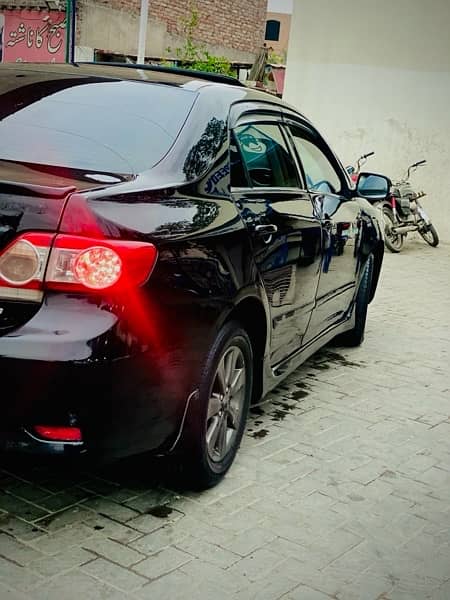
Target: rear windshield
x,y
107,126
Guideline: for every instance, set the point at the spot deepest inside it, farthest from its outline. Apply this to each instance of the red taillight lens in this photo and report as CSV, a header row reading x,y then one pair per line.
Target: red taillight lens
x,y
59,434
98,268
72,263
82,263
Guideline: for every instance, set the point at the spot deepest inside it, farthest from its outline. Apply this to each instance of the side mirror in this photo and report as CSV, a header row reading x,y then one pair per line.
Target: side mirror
x,y
373,187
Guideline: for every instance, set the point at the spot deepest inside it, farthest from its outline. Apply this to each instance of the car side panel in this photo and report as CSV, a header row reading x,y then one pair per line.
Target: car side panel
x,y
341,229
203,269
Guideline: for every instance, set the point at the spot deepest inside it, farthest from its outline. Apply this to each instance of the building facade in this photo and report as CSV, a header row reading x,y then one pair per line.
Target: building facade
x,y
278,26
231,28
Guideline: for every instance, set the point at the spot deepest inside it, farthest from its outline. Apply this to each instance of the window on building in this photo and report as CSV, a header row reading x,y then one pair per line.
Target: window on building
x,y
273,30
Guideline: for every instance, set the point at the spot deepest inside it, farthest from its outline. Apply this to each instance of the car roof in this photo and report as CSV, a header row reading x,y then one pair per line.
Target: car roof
x,y
192,80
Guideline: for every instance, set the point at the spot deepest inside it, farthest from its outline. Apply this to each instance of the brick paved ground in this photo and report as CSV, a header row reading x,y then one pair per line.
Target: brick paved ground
x,y
341,488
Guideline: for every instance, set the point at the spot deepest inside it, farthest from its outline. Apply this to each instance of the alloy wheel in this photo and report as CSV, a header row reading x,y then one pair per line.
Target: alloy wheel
x,y
226,403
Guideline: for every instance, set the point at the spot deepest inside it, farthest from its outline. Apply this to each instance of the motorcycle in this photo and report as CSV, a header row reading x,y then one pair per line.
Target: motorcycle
x,y
404,214
402,211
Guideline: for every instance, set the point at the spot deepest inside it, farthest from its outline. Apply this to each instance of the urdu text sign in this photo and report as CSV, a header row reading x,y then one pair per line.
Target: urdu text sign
x,y
34,36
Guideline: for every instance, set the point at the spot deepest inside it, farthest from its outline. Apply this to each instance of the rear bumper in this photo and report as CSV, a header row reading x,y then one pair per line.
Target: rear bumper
x,y
76,361
24,442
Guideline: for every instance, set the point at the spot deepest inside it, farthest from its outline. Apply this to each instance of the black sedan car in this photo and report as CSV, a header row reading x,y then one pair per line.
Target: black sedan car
x,y
171,247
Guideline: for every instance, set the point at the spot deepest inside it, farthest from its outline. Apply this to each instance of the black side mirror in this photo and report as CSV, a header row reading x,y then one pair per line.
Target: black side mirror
x,y
373,187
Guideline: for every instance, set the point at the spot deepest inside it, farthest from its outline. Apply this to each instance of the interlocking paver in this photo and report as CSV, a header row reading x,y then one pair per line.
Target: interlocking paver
x,y
64,561
62,539
114,551
17,551
111,573
17,577
162,562
341,488
74,585
166,536
210,553
179,586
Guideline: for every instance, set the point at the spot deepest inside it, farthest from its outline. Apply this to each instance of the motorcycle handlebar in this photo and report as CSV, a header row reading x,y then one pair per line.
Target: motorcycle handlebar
x,y
413,167
367,155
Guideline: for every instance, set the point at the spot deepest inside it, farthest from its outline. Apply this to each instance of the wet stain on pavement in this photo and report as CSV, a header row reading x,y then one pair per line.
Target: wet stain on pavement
x,y
327,360
301,385
278,415
321,366
161,512
285,405
260,434
299,395
334,356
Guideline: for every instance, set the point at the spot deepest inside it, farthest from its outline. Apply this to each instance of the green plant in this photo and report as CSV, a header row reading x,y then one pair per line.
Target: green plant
x,y
193,55
277,59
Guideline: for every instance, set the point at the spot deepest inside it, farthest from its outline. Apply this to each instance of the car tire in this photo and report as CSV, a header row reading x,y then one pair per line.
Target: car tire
x,y
355,336
216,419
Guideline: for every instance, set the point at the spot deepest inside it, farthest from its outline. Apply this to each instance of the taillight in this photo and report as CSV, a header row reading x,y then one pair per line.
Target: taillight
x,y
59,433
22,266
35,262
81,263
24,260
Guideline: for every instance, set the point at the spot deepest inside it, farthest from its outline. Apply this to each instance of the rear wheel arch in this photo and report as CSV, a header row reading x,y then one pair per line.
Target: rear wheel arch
x,y
250,313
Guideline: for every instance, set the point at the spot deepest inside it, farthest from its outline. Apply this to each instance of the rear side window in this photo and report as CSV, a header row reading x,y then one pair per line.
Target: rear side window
x,y
266,156
108,126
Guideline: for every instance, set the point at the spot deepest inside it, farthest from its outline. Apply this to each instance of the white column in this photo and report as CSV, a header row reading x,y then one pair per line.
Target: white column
x,y
142,31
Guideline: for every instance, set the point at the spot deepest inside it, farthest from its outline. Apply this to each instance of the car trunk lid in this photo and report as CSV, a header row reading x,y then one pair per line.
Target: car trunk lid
x,y
32,199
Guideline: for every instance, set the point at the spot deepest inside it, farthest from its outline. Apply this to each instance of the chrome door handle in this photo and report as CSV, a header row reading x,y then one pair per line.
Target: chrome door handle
x,y
265,230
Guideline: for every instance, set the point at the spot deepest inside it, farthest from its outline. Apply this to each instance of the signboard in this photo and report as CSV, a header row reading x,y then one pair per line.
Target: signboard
x,y
32,36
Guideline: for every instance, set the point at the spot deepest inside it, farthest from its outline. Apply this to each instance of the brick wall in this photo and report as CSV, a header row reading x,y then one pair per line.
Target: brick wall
x,y
238,25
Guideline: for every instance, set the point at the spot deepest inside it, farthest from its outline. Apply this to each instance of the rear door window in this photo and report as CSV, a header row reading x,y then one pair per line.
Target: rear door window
x,y
108,126
266,156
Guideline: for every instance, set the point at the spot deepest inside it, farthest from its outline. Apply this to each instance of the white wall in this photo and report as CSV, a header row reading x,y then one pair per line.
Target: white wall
x,y
280,6
375,75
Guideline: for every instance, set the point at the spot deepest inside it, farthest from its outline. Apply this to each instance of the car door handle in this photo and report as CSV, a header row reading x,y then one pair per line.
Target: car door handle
x,y
265,230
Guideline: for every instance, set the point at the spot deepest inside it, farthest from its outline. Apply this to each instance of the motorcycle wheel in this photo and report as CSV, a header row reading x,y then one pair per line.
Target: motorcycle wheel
x,y
392,241
430,235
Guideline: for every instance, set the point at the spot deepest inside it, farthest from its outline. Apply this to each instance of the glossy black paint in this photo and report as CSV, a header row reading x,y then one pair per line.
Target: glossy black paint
x,y
125,366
